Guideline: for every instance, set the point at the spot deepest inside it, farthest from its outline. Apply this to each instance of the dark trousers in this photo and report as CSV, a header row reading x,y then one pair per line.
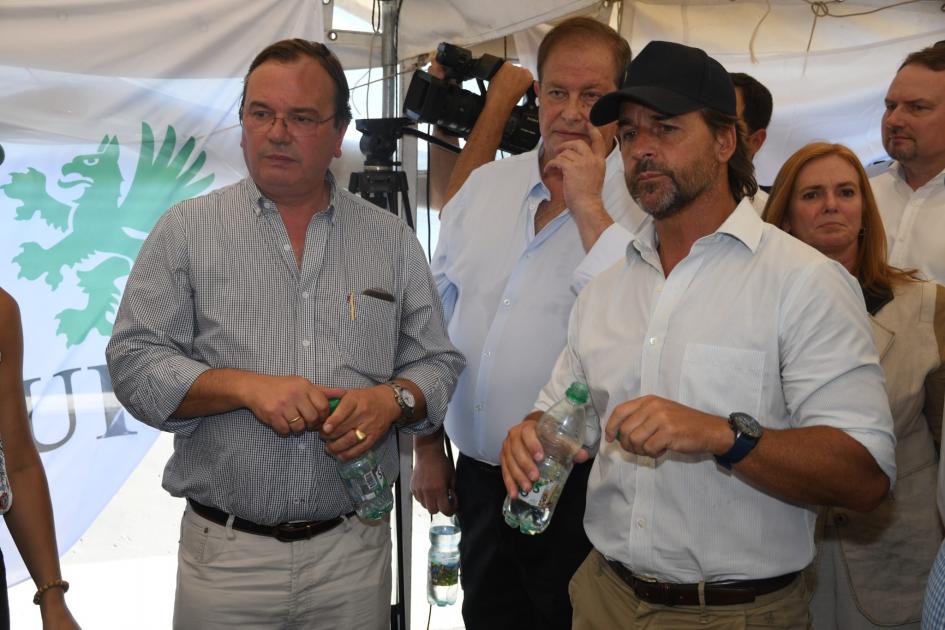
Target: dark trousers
x,y
513,580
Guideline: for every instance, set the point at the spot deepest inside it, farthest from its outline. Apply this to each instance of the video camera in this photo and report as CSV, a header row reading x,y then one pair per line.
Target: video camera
x,y
449,106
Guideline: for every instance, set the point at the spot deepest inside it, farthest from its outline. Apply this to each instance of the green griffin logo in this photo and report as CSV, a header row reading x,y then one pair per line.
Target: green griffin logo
x,y
101,228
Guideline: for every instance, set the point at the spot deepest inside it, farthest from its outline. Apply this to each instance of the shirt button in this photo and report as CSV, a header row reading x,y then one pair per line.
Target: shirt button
x,y
306,342
286,247
296,501
301,447
487,354
305,294
506,301
478,407
652,341
641,523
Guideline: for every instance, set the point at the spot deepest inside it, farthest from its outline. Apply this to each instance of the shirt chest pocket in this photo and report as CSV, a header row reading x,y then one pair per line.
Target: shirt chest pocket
x,y
369,335
721,380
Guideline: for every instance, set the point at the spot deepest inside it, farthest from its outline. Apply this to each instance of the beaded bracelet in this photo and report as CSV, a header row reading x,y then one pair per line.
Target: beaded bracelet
x,y
60,583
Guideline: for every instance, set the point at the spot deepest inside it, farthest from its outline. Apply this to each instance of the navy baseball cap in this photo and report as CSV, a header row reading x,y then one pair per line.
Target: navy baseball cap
x,y
672,79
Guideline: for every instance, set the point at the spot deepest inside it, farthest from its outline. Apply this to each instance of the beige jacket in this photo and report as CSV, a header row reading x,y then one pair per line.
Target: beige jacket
x,y
889,551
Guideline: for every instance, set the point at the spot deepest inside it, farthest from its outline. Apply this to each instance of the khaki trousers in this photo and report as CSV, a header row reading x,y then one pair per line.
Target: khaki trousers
x,y
602,601
340,579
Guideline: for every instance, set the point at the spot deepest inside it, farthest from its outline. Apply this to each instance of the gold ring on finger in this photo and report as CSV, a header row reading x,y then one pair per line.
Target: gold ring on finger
x,y
295,419
360,435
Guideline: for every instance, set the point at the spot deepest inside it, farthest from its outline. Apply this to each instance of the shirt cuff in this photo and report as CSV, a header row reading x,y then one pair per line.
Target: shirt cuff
x,y
163,392
881,447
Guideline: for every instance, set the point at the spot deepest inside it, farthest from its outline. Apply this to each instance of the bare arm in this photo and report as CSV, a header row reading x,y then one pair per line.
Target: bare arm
x,y
274,400
433,483
815,465
505,90
30,519
818,465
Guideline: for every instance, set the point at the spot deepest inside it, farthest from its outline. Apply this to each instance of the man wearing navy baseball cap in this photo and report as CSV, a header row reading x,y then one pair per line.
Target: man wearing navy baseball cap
x,y
733,371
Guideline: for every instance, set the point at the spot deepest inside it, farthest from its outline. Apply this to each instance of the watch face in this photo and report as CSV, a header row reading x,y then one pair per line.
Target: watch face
x,y
408,398
746,425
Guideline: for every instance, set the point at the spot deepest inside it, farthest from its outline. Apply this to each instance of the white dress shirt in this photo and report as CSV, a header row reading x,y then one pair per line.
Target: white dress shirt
x,y
752,320
507,291
914,221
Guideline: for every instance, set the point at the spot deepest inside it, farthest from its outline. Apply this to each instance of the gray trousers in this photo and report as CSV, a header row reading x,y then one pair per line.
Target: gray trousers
x,y
230,579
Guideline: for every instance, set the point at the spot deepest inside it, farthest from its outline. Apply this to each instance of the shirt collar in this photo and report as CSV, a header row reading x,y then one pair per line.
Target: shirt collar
x,y
743,224
900,174
261,204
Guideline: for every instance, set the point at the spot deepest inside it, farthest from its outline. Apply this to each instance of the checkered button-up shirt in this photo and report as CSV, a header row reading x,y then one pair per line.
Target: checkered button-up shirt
x,y
216,285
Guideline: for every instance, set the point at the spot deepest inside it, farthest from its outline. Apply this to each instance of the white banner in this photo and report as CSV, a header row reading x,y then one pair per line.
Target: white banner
x,y
125,109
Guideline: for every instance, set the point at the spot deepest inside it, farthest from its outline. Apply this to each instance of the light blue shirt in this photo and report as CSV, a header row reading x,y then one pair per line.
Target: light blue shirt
x,y
507,291
751,320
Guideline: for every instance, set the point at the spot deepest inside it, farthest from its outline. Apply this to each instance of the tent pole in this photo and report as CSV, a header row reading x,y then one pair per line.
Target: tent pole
x,y
400,613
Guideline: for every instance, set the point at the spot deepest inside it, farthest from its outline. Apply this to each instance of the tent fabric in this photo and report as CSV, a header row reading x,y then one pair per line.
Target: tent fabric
x,y
425,23
832,90
160,38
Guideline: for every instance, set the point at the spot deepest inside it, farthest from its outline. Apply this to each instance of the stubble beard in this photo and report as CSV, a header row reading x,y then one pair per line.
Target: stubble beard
x,y
676,191
904,153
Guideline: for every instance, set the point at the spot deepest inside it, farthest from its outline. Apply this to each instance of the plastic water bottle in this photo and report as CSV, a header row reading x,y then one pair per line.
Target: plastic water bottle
x,y
561,432
369,489
443,561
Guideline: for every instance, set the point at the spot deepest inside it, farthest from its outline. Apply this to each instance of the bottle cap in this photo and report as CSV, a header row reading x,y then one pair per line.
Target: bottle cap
x,y
577,393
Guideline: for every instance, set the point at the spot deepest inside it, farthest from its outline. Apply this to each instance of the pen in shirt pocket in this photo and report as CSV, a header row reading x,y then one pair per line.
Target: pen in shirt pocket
x,y
351,310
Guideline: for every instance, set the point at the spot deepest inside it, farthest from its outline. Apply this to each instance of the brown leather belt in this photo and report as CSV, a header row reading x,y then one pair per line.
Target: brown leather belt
x,y
716,593
284,532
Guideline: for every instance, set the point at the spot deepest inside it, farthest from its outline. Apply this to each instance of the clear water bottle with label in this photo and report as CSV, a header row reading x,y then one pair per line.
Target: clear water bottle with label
x,y
367,486
369,489
561,431
443,561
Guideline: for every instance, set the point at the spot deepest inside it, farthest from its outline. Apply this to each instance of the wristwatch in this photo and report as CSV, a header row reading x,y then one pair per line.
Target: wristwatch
x,y
405,400
747,433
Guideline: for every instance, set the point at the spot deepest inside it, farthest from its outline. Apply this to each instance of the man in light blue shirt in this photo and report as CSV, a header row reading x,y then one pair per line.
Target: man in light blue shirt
x,y
517,243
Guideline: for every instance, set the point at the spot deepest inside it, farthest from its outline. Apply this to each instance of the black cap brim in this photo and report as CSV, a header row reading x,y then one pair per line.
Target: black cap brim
x,y
607,108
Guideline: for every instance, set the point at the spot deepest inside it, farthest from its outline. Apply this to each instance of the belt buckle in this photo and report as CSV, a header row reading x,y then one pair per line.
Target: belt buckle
x,y
290,532
652,590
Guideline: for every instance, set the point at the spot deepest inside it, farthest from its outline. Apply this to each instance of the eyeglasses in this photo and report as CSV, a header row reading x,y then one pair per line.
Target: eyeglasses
x,y
300,125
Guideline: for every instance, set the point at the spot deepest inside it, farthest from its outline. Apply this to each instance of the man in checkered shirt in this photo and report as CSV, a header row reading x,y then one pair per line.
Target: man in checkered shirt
x,y
246,310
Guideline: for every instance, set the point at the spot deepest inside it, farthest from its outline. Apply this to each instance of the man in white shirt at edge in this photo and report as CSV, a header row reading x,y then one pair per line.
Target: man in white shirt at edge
x,y
698,512
911,191
517,242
